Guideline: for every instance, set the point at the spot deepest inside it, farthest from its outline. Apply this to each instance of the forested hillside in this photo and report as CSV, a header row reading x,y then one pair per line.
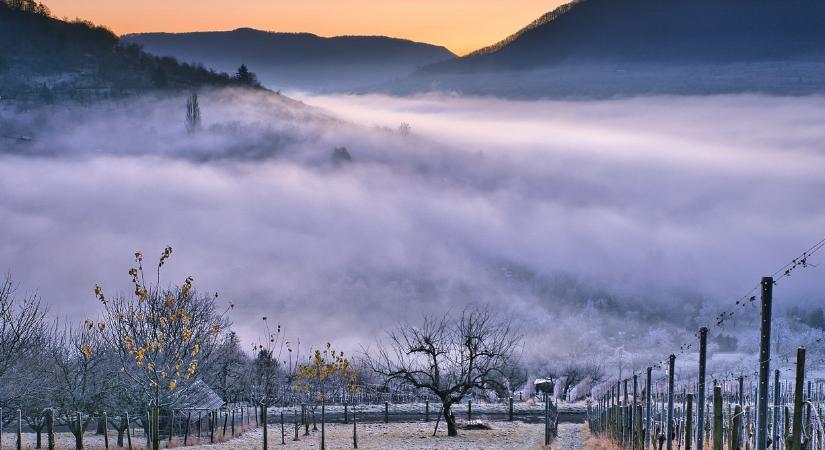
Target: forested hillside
x,y
43,58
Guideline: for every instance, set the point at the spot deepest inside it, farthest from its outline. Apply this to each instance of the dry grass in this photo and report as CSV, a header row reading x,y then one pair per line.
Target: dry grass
x,y
593,442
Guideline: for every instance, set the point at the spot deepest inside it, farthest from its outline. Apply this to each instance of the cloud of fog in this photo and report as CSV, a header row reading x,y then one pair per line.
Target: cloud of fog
x,y
579,219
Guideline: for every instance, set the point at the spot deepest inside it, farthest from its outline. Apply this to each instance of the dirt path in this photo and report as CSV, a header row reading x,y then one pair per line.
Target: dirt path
x,y
570,437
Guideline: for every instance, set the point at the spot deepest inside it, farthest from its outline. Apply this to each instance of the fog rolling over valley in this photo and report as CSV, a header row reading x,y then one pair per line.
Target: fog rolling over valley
x,y
582,220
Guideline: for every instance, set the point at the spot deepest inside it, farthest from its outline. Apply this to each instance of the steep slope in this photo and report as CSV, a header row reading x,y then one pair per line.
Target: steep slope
x,y
661,32
297,60
44,58
608,48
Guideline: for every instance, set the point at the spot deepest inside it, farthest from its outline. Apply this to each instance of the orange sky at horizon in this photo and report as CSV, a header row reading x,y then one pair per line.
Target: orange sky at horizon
x,y
460,25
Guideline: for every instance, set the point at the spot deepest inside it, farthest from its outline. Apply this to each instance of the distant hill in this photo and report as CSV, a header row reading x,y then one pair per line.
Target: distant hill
x,y
43,58
297,60
682,46
662,32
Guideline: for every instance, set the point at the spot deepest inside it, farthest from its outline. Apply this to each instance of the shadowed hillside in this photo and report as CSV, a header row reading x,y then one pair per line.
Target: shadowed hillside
x,y
298,60
605,48
43,58
662,32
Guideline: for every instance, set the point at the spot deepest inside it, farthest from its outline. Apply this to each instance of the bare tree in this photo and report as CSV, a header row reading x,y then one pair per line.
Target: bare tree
x,y
449,356
22,337
268,376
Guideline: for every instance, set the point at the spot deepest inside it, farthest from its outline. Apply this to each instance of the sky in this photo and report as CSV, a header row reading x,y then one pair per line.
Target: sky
x,y
460,25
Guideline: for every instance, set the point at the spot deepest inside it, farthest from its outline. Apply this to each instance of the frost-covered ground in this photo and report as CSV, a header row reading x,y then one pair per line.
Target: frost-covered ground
x,y
414,436
419,436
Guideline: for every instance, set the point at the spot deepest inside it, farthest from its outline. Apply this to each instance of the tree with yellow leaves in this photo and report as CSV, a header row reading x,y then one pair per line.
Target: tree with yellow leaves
x,y
162,337
327,374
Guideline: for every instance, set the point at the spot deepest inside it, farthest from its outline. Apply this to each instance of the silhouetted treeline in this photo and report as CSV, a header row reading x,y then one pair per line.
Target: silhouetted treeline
x,y
44,58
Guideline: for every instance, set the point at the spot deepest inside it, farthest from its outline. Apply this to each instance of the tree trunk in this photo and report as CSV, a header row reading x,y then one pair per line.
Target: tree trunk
x,y
449,418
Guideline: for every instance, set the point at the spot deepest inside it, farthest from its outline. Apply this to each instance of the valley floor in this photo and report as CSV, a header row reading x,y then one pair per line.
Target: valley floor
x,y
397,436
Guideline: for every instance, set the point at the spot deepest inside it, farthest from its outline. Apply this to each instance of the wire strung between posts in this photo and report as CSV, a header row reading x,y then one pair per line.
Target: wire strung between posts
x,y
749,299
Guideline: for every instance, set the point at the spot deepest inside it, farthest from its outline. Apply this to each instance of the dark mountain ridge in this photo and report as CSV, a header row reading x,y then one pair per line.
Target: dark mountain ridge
x,y
660,32
43,58
298,60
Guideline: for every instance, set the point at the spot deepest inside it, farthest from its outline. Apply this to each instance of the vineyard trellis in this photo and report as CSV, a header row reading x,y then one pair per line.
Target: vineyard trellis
x,y
773,414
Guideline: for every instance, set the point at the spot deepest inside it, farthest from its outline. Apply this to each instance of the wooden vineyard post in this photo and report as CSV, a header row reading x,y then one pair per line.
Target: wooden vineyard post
x,y
625,417
19,430
670,419
386,412
689,423
717,418
736,429
354,430
634,430
510,411
128,433
426,410
639,432
546,420
188,423
776,408
764,365
700,405
323,424
346,414
796,438
105,430
648,406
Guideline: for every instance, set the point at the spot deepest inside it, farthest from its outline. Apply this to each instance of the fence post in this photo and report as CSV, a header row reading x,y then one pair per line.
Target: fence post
x,y
283,430
625,416
776,405
546,420
648,406
796,439
764,365
426,410
186,433
689,423
634,430
386,412
736,428
510,411
19,430
671,368
346,415
700,405
717,418
639,433
105,429
354,429
128,433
